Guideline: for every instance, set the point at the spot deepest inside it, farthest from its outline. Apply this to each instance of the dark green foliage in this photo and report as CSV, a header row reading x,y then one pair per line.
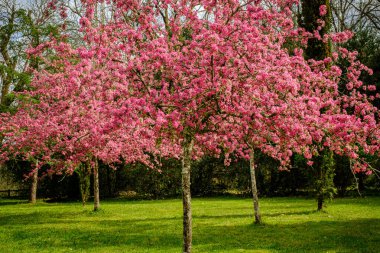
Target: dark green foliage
x,y
273,182
210,177
18,168
108,181
372,184
59,187
84,174
203,177
149,183
367,44
344,178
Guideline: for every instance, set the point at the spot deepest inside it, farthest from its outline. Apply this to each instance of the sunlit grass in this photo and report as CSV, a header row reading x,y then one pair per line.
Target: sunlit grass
x,y
220,225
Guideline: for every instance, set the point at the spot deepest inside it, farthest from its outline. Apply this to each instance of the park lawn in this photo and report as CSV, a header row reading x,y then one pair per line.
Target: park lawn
x,y
219,225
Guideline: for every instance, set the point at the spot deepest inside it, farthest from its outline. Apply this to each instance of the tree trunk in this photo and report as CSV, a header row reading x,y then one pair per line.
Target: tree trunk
x,y
96,185
325,184
320,184
255,197
5,91
318,50
186,193
33,186
320,202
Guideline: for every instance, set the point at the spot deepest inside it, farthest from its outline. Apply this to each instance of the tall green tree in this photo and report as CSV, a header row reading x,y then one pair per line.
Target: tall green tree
x,y
312,12
21,27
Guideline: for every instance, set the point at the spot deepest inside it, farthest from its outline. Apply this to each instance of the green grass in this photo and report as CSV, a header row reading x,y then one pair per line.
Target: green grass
x,y
219,225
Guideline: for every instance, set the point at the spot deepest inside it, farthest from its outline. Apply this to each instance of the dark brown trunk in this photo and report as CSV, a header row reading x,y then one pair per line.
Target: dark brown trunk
x,y
186,194
320,203
33,186
320,197
96,185
316,49
83,202
255,196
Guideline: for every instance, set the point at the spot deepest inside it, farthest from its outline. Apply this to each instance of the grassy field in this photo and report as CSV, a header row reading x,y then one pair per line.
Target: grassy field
x,y
220,225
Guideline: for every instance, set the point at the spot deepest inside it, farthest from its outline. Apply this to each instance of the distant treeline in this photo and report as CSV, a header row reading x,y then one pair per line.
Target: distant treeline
x,y
210,177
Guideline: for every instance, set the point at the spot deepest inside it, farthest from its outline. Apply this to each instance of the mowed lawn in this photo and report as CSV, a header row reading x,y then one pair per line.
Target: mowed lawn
x,y
219,225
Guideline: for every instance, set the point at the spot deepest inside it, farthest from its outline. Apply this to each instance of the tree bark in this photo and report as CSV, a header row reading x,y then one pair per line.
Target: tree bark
x,y
8,61
33,186
320,202
186,193
320,182
5,91
325,184
316,49
96,185
255,197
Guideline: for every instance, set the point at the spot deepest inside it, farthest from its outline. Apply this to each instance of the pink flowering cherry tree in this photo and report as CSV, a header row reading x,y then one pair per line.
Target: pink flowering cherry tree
x,y
22,137
84,111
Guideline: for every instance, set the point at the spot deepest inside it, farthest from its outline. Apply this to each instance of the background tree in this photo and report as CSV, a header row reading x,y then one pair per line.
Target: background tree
x,y
319,50
22,26
355,15
362,18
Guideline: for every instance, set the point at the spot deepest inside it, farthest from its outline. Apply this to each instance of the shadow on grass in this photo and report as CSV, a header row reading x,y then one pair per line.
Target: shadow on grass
x,y
358,235
49,217
83,235
42,230
290,213
4,202
359,201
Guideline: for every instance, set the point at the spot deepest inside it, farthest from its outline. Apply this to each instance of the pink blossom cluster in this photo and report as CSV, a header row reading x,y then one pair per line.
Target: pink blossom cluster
x,y
322,10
